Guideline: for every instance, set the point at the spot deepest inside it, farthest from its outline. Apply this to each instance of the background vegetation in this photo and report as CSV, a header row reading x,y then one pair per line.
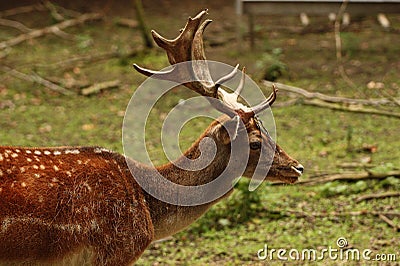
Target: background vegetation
x,y
325,141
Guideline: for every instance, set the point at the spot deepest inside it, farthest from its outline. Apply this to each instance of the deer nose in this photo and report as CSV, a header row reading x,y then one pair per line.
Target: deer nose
x,y
300,168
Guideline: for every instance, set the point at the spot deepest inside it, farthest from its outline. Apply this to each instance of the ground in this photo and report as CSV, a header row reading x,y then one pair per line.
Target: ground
x,y
325,141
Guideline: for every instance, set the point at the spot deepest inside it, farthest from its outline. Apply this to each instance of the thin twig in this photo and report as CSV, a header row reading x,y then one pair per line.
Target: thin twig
x,y
354,109
73,62
97,87
21,10
51,29
37,79
389,222
53,11
126,22
14,24
377,196
327,98
63,34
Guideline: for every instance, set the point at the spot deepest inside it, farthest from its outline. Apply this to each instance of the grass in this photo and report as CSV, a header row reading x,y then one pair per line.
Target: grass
x,y
234,230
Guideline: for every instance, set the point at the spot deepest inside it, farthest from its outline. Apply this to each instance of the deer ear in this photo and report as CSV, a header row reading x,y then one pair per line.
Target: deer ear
x,y
227,131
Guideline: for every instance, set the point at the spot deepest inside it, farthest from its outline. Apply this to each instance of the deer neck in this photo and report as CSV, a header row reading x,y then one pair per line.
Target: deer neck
x,y
169,219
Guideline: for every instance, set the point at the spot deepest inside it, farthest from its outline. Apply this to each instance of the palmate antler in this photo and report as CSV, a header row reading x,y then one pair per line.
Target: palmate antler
x,y
188,46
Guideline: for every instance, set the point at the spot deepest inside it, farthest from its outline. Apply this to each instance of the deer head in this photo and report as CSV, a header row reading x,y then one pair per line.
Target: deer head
x,y
239,119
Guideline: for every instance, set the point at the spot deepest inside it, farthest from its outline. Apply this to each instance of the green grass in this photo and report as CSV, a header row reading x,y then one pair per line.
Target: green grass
x,y
234,230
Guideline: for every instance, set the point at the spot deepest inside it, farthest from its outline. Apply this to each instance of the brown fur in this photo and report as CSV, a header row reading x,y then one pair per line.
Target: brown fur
x,y
55,202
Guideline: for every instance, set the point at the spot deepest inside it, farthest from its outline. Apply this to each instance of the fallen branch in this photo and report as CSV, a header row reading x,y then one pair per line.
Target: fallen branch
x,y
69,83
37,79
377,196
346,177
22,9
73,62
53,11
95,88
14,24
51,29
126,22
354,109
67,12
327,98
389,222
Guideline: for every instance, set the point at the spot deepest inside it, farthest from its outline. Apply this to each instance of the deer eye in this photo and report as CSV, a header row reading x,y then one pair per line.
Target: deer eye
x,y
255,145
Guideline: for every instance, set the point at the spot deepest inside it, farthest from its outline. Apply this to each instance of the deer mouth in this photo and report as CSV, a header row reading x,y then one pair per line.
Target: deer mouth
x,y
288,175
297,169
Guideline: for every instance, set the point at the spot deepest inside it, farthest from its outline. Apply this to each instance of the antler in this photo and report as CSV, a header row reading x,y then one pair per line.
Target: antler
x,y
188,46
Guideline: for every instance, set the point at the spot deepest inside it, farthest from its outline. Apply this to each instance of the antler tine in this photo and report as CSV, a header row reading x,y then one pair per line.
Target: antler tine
x,y
267,103
180,48
240,87
165,75
227,77
189,46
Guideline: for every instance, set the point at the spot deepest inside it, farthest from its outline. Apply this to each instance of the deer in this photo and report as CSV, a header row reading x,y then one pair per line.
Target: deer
x,y
59,202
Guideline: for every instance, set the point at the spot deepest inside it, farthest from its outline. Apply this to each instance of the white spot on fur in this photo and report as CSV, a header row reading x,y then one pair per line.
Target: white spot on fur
x,y
22,169
1,173
23,184
28,151
100,150
9,171
4,225
79,162
55,167
29,159
18,150
1,157
72,151
57,153
8,151
54,180
94,225
47,152
35,166
68,173
14,155
37,152
87,186
6,155
37,175
42,167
